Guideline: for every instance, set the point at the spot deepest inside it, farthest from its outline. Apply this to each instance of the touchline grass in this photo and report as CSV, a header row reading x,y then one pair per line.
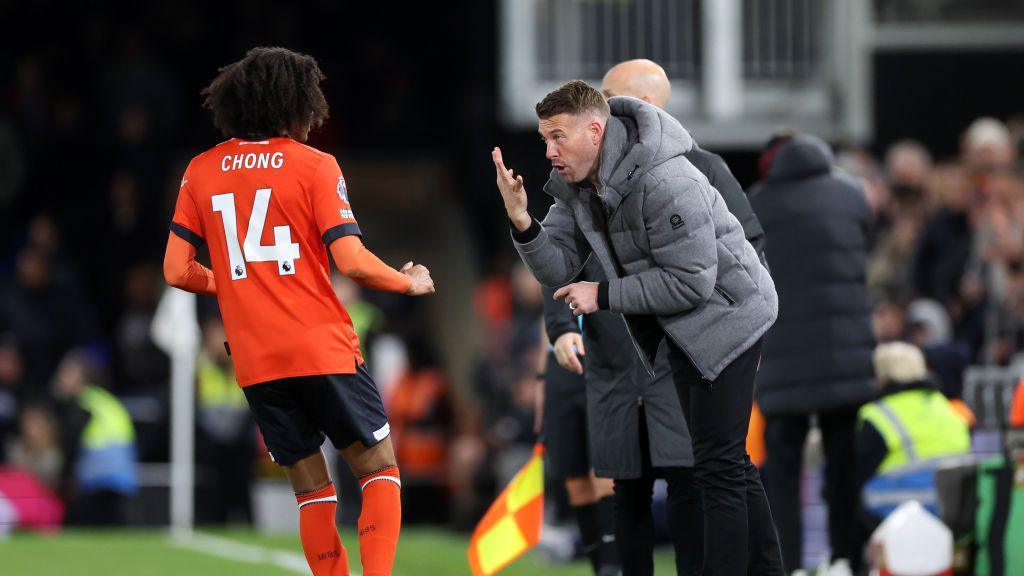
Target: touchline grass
x,y
421,552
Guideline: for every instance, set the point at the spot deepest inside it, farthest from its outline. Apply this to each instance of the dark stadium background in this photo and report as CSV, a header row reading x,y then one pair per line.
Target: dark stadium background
x,y
415,79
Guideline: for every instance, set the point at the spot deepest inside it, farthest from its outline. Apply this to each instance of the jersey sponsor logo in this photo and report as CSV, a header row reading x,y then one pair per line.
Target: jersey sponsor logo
x,y
347,214
252,160
342,190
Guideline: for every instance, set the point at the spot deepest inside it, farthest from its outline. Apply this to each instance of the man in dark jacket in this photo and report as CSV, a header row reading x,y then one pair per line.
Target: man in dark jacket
x,y
678,265
817,358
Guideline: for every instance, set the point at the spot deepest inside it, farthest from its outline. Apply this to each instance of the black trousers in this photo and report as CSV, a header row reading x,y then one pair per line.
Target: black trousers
x,y
634,522
784,438
739,534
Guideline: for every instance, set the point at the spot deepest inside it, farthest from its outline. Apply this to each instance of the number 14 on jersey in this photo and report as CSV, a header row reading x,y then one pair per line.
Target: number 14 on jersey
x,y
283,250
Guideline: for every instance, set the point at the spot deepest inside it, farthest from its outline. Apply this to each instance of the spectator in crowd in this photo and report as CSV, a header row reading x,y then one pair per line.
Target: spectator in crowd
x,y
226,439
987,147
898,219
98,443
141,365
11,370
944,245
817,358
422,427
907,164
909,424
46,316
37,447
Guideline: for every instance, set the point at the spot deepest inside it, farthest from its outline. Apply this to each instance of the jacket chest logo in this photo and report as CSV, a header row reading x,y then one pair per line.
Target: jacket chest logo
x,y
676,221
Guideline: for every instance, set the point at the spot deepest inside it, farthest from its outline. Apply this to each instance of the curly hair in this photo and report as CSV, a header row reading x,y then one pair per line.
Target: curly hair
x,y
266,93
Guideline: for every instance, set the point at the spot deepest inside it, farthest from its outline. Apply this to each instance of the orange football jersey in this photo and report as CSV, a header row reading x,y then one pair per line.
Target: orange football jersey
x,y
268,210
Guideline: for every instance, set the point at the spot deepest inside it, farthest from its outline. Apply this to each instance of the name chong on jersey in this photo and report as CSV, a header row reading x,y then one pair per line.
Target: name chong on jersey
x,y
252,160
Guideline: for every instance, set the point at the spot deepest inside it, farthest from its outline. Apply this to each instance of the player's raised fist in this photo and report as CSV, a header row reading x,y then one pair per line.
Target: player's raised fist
x,y
512,192
422,283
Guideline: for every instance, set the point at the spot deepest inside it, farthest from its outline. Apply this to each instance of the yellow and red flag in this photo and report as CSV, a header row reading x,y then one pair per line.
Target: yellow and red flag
x,y
512,524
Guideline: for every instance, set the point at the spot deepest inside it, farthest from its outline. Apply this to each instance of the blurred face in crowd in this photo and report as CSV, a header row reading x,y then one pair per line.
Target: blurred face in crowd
x,y
907,165
37,429
988,146
949,186
71,378
11,366
573,144
33,269
888,321
43,234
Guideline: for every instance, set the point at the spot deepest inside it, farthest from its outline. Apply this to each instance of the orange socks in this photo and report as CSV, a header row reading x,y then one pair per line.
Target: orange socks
x,y
380,521
320,541
379,525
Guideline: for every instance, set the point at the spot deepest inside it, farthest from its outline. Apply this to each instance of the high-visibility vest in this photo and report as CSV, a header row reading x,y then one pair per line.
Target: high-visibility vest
x,y
109,423
365,318
107,460
917,424
217,386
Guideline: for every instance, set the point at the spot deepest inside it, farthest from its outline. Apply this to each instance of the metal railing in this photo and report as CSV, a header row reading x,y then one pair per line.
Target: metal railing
x,y
604,32
739,68
783,39
989,390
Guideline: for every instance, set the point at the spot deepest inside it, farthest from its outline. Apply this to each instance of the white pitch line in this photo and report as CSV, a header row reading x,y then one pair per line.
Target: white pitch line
x,y
239,552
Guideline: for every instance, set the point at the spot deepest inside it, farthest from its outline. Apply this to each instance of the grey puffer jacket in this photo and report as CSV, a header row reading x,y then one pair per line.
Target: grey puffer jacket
x,y
665,239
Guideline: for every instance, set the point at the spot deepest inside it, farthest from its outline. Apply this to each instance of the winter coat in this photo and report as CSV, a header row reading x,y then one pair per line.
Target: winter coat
x,y
817,357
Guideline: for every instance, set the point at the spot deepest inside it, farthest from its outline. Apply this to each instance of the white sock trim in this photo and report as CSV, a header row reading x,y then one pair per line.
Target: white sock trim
x,y
388,478
318,500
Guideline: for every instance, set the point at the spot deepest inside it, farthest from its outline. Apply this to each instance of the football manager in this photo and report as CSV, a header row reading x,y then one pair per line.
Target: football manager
x,y
679,267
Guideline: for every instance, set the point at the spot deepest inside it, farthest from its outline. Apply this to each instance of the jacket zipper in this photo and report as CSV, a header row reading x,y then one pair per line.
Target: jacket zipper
x,y
643,358
721,292
688,357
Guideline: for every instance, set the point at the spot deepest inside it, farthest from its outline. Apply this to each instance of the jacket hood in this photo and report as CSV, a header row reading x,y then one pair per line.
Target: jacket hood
x,y
638,136
802,157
